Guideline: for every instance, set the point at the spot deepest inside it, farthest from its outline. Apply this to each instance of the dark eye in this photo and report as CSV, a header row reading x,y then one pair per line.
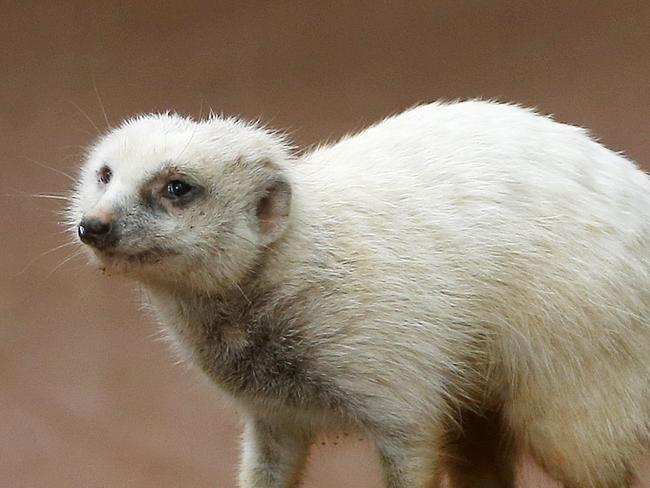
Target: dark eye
x,y
176,189
104,175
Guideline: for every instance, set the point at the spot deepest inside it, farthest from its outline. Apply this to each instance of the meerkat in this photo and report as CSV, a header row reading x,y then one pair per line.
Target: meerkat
x,y
463,282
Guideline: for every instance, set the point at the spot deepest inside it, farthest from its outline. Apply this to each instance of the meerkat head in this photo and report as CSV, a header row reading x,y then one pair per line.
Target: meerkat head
x,y
165,198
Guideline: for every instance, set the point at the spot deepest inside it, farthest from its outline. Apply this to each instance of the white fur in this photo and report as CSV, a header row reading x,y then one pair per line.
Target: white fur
x,y
457,255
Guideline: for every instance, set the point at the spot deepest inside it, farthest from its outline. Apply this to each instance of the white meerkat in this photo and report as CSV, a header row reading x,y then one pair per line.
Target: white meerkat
x,y
464,282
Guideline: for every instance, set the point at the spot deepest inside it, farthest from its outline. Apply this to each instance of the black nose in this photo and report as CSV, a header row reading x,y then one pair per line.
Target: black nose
x,y
96,232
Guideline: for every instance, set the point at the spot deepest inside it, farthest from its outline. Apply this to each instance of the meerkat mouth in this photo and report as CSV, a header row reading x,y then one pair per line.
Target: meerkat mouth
x,y
141,257
116,258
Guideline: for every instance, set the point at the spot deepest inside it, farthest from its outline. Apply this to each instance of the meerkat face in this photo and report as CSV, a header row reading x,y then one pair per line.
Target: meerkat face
x,y
167,198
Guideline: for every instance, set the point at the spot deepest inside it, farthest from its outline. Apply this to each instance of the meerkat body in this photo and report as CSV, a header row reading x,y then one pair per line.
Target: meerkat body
x,y
463,281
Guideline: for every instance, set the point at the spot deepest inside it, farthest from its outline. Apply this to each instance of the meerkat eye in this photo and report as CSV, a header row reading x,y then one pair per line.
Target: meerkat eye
x,y
104,175
176,189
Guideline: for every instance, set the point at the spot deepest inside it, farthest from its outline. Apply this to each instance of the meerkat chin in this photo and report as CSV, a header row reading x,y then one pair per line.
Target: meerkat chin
x,y
464,282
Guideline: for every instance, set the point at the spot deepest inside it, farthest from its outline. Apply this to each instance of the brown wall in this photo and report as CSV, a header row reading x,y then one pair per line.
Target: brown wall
x,y
88,397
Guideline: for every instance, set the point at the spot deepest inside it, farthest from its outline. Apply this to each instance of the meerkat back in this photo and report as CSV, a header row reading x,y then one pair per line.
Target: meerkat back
x,y
539,238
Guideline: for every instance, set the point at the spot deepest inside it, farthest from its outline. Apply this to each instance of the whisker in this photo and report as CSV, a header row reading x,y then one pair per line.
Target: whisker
x,y
196,127
45,166
201,110
39,195
66,260
85,115
84,131
32,261
60,212
55,197
189,141
101,104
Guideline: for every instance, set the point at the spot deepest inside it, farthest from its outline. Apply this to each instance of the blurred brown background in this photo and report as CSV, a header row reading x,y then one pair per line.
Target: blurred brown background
x,y
88,396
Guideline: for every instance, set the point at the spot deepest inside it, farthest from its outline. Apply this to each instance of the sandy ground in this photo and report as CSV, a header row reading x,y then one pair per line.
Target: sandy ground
x,y
88,396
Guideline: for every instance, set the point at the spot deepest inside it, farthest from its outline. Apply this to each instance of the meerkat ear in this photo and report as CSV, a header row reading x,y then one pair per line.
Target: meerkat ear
x,y
273,209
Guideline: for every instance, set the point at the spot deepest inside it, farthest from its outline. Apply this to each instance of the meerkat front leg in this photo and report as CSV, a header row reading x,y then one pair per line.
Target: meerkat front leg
x,y
273,455
408,461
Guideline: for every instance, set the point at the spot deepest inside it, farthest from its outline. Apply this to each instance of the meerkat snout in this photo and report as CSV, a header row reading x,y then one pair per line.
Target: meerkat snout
x,y
97,232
